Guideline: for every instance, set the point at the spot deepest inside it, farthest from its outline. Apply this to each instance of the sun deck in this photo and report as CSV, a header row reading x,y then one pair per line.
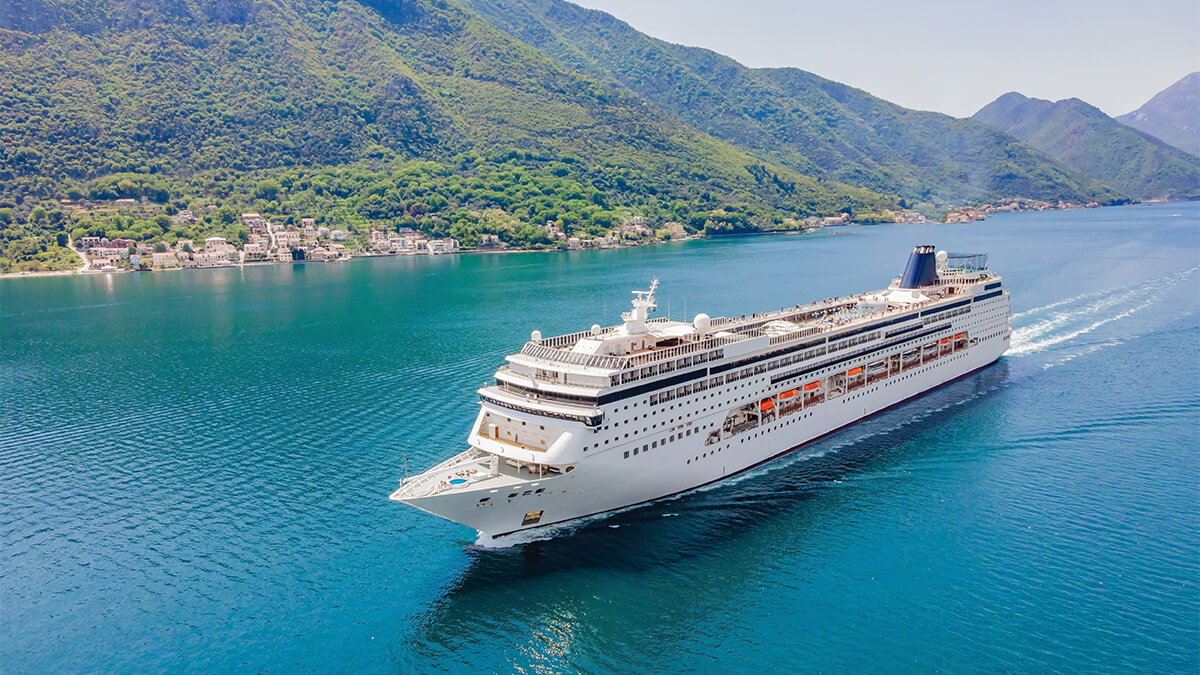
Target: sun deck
x,y
474,470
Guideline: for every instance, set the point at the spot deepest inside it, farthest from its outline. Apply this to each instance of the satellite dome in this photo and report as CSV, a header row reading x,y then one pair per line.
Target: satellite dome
x,y
536,336
702,322
596,329
942,257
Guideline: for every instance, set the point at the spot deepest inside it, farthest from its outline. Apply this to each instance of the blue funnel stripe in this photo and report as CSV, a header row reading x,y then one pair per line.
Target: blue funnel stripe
x,y
921,269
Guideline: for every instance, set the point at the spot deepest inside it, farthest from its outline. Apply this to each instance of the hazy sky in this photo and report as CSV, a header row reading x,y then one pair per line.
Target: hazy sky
x,y
946,55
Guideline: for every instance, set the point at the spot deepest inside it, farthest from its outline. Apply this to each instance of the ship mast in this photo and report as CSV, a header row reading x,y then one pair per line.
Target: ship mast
x,y
635,320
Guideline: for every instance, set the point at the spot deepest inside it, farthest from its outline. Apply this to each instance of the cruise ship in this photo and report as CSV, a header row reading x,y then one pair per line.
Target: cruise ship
x,y
607,418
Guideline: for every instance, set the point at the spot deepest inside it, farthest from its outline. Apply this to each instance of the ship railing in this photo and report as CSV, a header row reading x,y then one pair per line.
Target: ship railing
x,y
539,351
678,350
428,482
571,338
795,335
547,377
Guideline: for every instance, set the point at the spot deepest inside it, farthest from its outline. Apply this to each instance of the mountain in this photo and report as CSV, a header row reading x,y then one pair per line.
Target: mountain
x,y
1084,138
1172,115
414,113
182,87
426,114
794,118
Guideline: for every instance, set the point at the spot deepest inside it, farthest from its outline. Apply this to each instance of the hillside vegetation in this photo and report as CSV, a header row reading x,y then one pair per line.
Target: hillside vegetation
x,y
1082,137
419,113
413,113
796,119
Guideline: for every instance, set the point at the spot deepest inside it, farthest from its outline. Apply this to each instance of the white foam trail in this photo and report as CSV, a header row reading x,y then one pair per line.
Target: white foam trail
x,y
1028,347
1044,333
1060,303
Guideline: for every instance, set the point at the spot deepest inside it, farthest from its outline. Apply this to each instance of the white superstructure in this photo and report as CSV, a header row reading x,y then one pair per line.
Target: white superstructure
x,y
614,416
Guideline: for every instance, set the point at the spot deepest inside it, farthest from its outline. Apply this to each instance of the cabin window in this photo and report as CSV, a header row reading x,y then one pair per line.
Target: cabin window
x,y
626,454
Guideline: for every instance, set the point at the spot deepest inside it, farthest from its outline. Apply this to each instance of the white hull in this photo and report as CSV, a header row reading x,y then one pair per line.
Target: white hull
x,y
608,482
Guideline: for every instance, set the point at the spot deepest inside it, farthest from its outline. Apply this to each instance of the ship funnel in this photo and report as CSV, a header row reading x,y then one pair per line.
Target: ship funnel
x,y
921,269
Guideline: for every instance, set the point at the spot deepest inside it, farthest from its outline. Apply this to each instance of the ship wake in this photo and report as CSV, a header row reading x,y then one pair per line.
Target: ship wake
x,y
1043,329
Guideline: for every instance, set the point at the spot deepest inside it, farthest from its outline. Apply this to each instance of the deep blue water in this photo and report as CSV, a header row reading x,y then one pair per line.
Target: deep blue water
x,y
194,469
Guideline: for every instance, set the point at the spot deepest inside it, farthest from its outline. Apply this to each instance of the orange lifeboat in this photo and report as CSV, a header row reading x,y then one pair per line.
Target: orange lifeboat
x,y
960,336
788,394
854,371
944,341
766,404
812,385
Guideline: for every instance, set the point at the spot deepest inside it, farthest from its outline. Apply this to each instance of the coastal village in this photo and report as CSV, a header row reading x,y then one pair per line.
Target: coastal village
x,y
270,243
310,242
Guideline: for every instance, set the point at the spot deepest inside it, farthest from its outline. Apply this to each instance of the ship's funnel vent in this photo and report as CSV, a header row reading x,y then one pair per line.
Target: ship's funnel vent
x,y
921,269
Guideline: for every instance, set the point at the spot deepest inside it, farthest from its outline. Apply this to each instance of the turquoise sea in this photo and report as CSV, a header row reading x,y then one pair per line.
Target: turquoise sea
x,y
194,470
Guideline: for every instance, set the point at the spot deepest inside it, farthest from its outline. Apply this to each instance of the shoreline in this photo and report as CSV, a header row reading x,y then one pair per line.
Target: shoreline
x,y
264,263
695,237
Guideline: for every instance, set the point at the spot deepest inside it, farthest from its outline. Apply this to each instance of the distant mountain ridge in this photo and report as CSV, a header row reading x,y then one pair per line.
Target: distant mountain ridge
x,y
1084,138
1172,115
794,118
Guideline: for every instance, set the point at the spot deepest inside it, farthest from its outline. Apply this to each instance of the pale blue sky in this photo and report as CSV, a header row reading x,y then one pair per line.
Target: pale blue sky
x,y
953,57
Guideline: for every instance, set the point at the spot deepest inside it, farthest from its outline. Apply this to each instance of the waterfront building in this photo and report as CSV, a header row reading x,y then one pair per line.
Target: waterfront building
x,y
210,259
288,237
439,246
253,220
255,251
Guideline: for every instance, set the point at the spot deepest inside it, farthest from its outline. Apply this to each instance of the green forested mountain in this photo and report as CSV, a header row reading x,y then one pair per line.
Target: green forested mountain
x,y
794,118
1172,115
420,113
1084,138
413,113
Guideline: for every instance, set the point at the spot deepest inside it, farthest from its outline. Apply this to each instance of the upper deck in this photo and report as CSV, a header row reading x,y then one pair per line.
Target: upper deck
x,y
579,365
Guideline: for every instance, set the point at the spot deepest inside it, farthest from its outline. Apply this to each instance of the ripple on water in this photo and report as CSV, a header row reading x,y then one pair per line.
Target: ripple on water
x,y
201,483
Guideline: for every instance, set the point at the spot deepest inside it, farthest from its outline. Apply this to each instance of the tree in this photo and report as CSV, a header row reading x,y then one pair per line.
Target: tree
x,y
268,189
